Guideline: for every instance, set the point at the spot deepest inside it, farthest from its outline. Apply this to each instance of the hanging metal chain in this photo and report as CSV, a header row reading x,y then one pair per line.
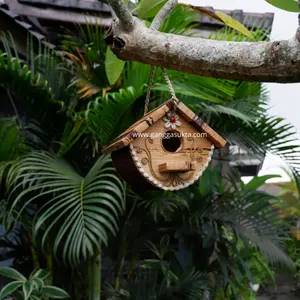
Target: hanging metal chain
x,y
170,86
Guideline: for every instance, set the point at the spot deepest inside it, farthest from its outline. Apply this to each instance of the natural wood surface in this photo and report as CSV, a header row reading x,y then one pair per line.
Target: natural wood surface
x,y
177,166
274,61
189,115
166,164
154,116
149,155
140,126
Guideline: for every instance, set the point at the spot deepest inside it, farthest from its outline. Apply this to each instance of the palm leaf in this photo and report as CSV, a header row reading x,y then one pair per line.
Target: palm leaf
x,y
160,204
226,216
11,139
269,135
17,77
251,217
110,115
181,21
83,210
87,51
12,144
191,285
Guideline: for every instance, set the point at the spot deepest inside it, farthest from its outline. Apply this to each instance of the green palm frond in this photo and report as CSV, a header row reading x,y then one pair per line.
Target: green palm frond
x,y
181,21
17,77
258,31
87,51
259,224
249,215
160,204
212,111
269,134
280,139
49,64
11,140
12,143
88,35
37,84
191,285
223,217
44,61
136,75
81,210
73,131
192,89
34,136
110,115
30,95
208,95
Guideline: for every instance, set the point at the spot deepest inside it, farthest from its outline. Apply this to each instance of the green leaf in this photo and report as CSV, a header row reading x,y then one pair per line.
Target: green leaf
x,y
265,268
223,18
54,292
209,179
258,181
86,208
10,139
41,274
230,22
12,273
10,288
113,66
108,116
37,283
34,297
149,8
164,244
288,5
27,290
151,263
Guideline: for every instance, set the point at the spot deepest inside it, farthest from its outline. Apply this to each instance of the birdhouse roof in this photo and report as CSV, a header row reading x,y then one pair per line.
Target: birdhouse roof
x,y
156,114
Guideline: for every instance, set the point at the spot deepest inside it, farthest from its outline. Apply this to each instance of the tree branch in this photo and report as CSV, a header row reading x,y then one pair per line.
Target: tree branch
x,y
122,12
163,14
277,61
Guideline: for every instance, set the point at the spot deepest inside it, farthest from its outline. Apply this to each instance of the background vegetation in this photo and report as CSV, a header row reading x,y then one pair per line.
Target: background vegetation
x,y
68,215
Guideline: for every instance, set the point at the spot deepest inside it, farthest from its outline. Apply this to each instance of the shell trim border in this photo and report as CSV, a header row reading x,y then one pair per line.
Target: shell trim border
x,y
154,182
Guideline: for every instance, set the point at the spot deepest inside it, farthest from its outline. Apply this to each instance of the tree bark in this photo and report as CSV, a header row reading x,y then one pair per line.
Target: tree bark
x,y
277,61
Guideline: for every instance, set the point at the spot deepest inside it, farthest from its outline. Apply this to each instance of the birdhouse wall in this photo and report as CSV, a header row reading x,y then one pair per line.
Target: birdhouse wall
x,y
125,166
167,169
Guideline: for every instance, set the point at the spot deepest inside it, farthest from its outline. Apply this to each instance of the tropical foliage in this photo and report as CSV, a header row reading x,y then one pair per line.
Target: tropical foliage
x,y
33,288
62,201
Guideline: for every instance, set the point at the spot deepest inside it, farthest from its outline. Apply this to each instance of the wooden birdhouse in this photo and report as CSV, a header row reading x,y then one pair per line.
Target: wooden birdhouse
x,y
165,149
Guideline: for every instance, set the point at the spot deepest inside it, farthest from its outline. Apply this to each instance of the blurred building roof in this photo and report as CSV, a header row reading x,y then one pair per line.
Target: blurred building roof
x,y
46,17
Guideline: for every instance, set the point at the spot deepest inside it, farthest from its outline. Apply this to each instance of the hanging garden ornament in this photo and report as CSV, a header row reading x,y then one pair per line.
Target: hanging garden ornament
x,y
171,120
159,151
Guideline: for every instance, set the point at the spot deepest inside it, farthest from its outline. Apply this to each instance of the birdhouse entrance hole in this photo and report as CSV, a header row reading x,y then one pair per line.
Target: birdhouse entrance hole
x,y
171,141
